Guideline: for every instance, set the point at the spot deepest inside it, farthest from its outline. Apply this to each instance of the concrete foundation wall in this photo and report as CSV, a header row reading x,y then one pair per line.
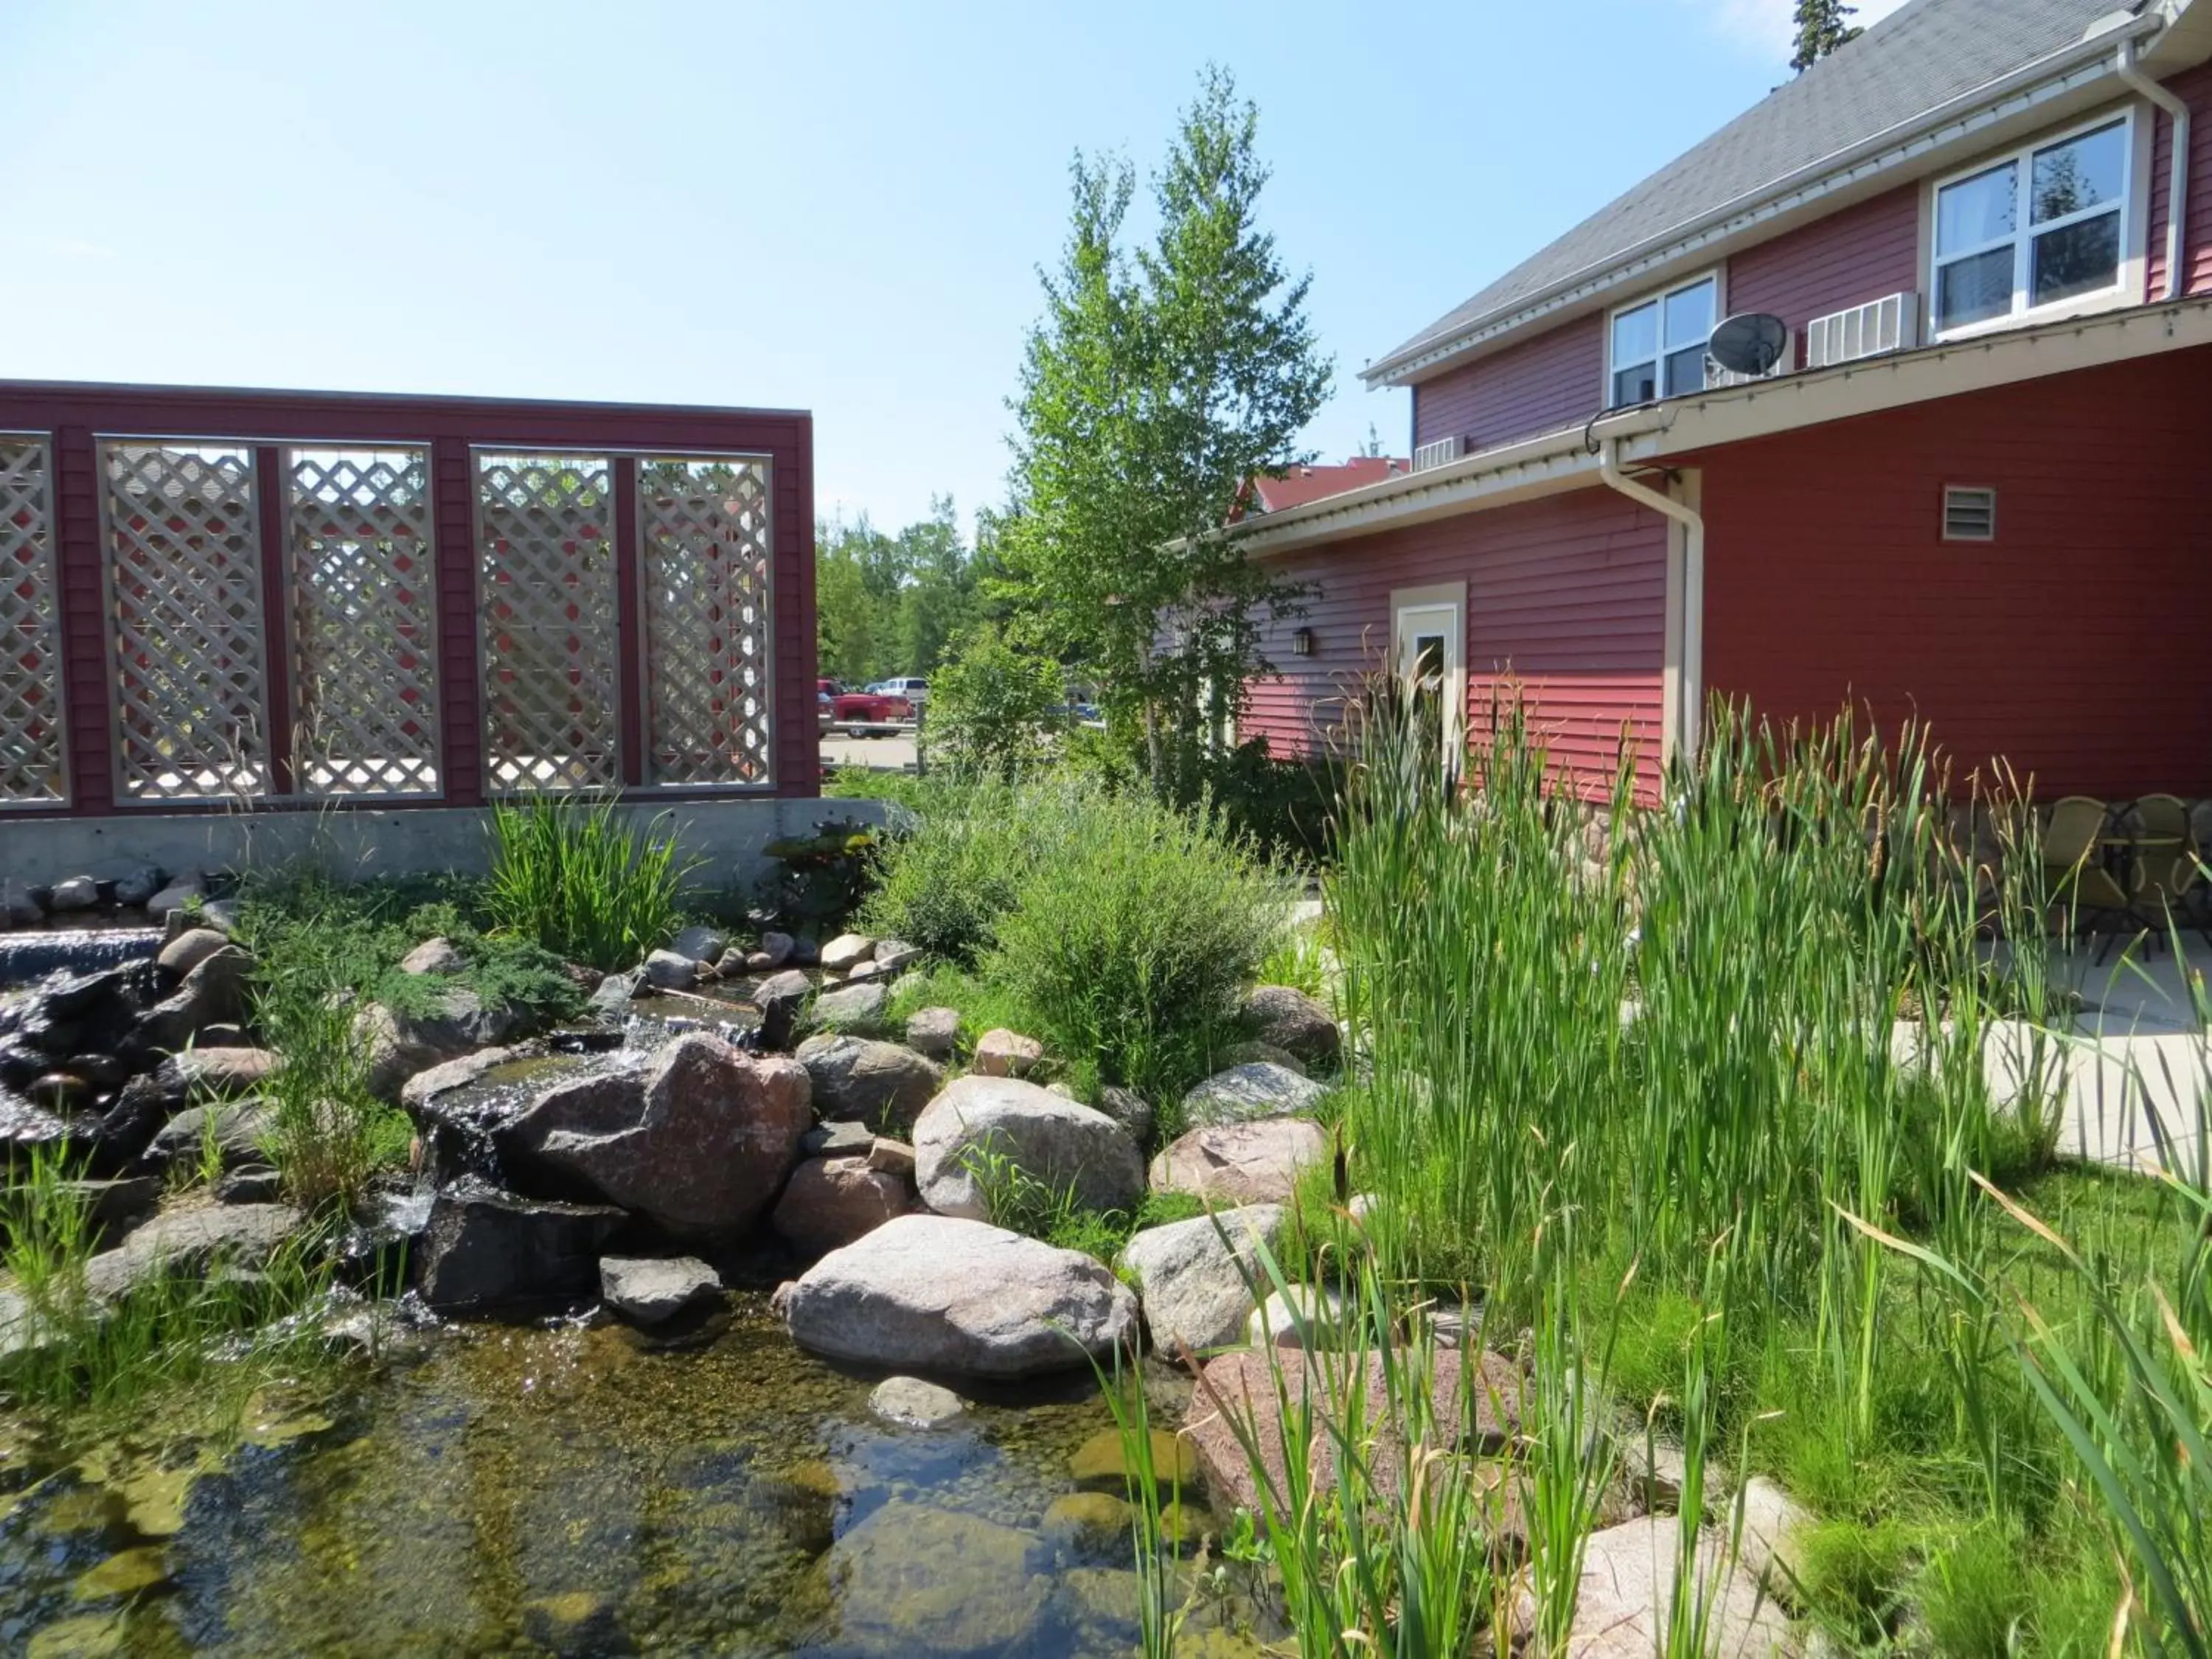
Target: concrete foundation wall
x,y
728,835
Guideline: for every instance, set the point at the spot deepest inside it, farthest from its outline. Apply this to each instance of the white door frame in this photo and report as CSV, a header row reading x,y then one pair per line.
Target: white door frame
x,y
1422,613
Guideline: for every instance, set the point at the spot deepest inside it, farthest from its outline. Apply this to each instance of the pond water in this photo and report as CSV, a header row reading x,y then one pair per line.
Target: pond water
x,y
579,1490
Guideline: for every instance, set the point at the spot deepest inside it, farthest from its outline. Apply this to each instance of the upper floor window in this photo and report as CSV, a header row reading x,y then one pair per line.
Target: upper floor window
x,y
2044,226
1658,345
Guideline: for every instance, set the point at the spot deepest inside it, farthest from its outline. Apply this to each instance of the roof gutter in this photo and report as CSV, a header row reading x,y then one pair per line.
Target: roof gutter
x,y
1970,111
2177,188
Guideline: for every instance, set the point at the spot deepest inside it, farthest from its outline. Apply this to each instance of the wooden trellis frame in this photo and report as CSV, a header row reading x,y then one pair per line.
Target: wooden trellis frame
x,y
34,763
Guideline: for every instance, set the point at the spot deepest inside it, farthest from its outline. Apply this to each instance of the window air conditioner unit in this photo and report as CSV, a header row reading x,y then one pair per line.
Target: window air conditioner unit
x,y
1868,330
1443,452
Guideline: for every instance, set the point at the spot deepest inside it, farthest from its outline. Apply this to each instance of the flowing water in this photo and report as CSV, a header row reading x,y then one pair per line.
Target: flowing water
x,y
574,1490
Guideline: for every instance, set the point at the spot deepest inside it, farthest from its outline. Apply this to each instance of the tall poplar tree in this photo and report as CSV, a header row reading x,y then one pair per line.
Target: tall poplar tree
x,y
1821,27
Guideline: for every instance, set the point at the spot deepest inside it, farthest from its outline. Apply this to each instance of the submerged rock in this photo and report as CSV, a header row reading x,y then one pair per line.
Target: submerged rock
x,y
1067,1147
650,1291
912,1579
1246,1093
908,1402
879,1082
699,1142
486,1248
1197,1278
959,1298
1240,1162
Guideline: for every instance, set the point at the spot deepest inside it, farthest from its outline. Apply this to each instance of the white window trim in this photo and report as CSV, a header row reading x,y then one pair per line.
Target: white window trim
x,y
2135,215
1717,275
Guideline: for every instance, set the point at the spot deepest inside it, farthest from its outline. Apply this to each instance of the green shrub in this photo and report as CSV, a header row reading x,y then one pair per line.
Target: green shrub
x,y
576,876
1134,933
993,710
951,868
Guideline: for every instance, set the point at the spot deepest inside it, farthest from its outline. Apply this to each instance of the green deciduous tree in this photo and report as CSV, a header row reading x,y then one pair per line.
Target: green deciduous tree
x,y
1158,382
1822,25
889,606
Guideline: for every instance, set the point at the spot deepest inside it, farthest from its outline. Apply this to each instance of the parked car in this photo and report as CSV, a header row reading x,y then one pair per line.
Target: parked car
x,y
856,710
916,691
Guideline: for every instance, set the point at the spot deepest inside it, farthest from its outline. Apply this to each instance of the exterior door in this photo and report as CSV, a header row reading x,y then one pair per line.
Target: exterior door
x,y
1431,651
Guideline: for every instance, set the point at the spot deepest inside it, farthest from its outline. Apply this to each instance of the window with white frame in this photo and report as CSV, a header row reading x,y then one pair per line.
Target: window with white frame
x,y
1658,346
2045,225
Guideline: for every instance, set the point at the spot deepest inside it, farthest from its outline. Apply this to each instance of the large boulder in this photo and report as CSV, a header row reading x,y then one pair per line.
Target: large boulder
x,y
1244,1094
1056,1142
486,1248
1197,1280
189,1241
915,1579
235,1132
878,1083
698,1142
213,994
854,1008
1240,1162
1625,1599
782,998
943,1296
458,1022
830,1202
1290,1019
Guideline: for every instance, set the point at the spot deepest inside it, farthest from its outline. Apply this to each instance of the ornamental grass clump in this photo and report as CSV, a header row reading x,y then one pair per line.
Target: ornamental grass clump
x,y
577,876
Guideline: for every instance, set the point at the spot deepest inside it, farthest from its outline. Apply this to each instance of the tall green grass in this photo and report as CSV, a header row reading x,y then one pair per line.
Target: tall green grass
x,y
574,874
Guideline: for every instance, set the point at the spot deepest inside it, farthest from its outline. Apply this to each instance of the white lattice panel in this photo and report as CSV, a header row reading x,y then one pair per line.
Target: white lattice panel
x,y
31,733
184,576
546,588
703,532
364,625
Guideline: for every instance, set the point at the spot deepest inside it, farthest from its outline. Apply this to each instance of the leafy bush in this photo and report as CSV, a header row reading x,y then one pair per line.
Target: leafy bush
x,y
993,709
950,869
1134,933
574,874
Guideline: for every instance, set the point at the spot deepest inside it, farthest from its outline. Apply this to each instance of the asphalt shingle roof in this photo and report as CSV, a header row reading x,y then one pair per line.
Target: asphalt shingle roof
x,y
1910,63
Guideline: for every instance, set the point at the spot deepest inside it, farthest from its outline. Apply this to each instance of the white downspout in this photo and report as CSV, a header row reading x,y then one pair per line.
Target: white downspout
x,y
2177,187
1689,702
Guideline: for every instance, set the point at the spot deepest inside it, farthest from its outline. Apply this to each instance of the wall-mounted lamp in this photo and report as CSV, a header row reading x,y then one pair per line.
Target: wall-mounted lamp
x,y
1302,643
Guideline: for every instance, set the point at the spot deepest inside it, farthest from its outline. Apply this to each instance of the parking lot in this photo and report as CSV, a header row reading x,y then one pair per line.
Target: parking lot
x,y
889,753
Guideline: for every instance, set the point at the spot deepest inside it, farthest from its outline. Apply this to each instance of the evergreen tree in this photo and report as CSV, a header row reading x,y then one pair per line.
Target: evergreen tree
x,y
1821,29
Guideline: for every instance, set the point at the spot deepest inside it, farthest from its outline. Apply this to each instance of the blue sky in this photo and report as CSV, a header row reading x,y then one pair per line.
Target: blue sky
x,y
839,208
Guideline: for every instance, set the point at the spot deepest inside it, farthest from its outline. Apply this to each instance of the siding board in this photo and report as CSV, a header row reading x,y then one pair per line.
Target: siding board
x,y
2195,89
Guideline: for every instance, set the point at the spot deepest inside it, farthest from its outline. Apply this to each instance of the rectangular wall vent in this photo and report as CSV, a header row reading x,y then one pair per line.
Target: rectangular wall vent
x,y
1970,513
1439,453
1867,331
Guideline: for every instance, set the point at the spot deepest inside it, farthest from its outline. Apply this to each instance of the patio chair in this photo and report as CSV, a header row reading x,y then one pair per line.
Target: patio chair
x,y
2170,862
2073,862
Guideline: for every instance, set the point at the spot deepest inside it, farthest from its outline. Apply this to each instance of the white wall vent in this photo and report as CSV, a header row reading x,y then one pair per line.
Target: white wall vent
x,y
1970,513
1443,452
1868,330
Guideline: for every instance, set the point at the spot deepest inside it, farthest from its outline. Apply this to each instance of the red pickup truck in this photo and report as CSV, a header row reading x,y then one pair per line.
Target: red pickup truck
x,y
855,709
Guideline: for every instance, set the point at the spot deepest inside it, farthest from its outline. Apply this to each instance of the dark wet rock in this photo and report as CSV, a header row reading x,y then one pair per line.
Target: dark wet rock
x,y
426,1086
189,948
1064,1146
19,907
854,1009
934,1032
400,1043
1244,1094
830,1202
221,1037
59,1091
701,945
1197,1278
1130,1109
914,1579
101,1071
485,1248
960,1299
612,1000
119,1201
804,952
178,895
433,956
1240,1162
135,887
780,999
699,1140
575,1624
775,951
213,994
255,1183
1002,1053
880,1082
835,1138
238,1132
908,1402
670,970
1288,1018
652,1290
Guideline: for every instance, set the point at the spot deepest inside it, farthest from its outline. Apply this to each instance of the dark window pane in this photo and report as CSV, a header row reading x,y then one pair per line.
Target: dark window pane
x,y
1976,210
1972,290
1636,335
1690,316
2079,174
2077,259
1639,384
1428,656
1686,371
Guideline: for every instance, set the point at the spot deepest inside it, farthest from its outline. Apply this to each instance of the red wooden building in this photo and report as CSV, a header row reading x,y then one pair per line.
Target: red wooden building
x,y
1976,486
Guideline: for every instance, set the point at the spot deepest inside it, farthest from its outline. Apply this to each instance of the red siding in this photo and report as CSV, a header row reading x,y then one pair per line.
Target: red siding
x,y
1541,384
2074,645
1567,595
2194,88
1847,258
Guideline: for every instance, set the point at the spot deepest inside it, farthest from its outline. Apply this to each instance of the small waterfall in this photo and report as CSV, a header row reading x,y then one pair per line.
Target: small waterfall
x,y
34,953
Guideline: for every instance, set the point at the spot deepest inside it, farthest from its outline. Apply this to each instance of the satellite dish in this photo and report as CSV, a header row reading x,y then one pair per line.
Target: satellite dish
x,y
1750,343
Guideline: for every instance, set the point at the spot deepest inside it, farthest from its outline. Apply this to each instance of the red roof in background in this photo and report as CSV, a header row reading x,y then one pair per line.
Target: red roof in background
x,y
1311,484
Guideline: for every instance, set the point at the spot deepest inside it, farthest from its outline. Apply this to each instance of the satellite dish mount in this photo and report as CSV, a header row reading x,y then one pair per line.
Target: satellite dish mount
x,y
1750,343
